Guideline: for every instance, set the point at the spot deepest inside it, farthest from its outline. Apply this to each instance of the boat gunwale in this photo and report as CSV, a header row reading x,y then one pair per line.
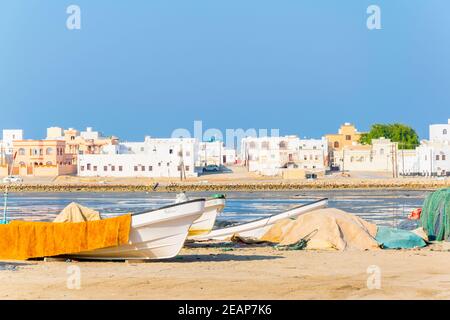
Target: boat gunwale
x,y
273,215
168,206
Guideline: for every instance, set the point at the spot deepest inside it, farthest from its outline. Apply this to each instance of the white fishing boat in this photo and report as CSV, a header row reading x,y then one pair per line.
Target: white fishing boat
x,y
256,229
154,234
205,223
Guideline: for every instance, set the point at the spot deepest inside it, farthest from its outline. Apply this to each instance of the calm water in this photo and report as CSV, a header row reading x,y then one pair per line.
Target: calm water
x,y
381,207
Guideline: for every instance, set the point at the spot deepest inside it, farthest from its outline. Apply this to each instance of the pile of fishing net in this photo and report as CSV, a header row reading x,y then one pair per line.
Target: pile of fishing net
x,y
325,229
333,229
435,218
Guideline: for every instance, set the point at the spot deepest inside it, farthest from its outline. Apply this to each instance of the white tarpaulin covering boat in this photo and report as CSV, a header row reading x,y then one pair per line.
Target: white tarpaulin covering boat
x,y
257,228
155,234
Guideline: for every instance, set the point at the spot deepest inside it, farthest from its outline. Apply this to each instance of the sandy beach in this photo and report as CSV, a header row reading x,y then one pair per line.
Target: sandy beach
x,y
244,272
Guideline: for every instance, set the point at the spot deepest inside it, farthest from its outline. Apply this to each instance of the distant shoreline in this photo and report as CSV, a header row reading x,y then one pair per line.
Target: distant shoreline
x,y
238,187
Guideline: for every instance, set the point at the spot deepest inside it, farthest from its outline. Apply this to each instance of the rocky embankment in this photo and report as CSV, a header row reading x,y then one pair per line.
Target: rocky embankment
x,y
242,186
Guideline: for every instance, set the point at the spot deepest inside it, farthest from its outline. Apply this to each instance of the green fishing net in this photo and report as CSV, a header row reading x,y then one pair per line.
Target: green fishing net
x,y
435,215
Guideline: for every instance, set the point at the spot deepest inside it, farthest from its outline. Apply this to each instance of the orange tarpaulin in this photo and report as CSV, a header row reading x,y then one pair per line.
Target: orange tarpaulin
x,y
20,240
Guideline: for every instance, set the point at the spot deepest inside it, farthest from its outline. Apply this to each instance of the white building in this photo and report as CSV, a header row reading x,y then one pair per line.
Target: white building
x,y
407,162
10,135
230,156
153,158
440,132
269,155
433,156
90,134
378,157
382,155
313,154
210,152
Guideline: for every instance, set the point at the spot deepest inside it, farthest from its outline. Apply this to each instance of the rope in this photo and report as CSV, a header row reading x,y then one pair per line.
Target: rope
x,y
300,245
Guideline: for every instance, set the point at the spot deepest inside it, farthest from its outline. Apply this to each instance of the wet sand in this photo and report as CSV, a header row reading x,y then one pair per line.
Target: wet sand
x,y
216,272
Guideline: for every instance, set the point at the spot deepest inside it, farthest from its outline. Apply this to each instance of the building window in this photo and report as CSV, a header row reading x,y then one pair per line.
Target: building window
x,y
348,137
336,144
49,151
444,131
170,151
88,167
168,164
187,168
135,168
105,168
113,168
143,168
437,157
82,168
120,168
95,168
443,157
142,149
283,145
150,168
179,168
21,152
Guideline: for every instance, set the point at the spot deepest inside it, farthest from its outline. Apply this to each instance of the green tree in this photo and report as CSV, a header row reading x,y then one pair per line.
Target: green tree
x,y
406,136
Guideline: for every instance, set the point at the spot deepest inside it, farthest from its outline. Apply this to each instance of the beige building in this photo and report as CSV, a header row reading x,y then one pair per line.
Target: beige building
x,y
84,142
347,136
40,158
381,156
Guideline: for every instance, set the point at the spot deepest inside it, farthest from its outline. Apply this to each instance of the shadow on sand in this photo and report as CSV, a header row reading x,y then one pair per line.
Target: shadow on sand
x,y
220,257
188,258
11,266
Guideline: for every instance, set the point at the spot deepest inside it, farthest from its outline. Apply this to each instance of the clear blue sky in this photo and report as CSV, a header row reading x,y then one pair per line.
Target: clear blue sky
x,y
148,67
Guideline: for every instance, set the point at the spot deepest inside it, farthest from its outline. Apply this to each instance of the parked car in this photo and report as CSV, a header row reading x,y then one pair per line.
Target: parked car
x,y
311,176
12,179
211,168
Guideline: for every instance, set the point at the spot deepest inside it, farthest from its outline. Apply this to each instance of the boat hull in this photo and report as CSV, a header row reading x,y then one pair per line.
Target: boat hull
x,y
205,223
157,234
256,229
